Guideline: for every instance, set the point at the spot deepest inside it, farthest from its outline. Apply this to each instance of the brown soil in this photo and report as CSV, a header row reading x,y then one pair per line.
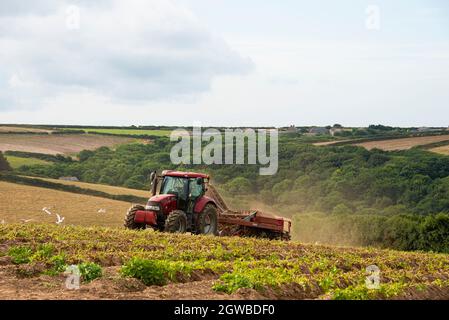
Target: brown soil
x,y
14,285
110,286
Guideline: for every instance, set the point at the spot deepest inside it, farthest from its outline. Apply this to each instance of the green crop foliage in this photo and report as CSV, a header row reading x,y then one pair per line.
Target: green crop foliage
x,y
90,271
44,252
151,272
20,254
266,266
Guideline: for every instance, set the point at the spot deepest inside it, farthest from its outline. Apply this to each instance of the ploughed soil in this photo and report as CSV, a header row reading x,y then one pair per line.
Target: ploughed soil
x,y
111,286
58,144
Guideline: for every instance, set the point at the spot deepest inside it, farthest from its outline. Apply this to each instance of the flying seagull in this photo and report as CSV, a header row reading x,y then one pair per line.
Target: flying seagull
x,y
59,219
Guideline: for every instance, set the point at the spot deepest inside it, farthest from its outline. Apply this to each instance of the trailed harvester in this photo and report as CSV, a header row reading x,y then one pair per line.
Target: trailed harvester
x,y
187,202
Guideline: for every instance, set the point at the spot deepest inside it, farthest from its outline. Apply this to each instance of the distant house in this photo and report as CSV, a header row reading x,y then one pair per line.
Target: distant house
x,y
318,131
69,178
292,128
334,131
427,129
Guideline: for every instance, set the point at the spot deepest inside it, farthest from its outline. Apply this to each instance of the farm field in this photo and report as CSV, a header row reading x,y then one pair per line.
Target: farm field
x,y
402,143
19,202
129,264
17,162
162,133
441,150
100,187
58,144
22,129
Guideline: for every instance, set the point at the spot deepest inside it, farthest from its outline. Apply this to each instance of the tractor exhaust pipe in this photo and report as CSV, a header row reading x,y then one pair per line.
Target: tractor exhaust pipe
x,y
153,179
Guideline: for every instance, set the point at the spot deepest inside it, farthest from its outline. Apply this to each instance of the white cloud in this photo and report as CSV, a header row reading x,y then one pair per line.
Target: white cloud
x,y
123,50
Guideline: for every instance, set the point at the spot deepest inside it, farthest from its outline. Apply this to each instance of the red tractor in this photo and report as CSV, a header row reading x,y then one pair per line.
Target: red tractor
x,y
186,202
181,205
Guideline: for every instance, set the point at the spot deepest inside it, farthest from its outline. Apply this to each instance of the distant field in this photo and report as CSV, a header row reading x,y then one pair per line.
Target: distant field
x,y
402,143
58,144
26,202
22,129
441,150
101,187
136,132
17,162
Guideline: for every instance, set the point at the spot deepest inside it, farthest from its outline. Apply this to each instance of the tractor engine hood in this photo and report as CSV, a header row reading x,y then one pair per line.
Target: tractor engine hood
x,y
162,202
161,198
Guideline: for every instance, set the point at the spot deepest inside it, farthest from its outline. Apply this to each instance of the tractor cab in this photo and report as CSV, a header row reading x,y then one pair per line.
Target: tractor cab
x,y
178,204
187,190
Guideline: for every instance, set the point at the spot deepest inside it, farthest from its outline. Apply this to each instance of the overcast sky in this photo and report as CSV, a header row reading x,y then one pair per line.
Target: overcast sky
x,y
225,62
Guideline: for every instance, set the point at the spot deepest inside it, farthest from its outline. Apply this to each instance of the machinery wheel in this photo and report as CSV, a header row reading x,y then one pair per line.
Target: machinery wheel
x,y
176,222
129,218
207,222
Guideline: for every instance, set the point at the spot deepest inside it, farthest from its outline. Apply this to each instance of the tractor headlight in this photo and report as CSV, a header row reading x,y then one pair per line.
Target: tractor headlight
x,y
152,207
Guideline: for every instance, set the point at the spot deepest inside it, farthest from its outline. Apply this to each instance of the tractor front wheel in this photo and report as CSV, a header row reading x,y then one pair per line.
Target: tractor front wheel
x,y
207,222
129,218
176,222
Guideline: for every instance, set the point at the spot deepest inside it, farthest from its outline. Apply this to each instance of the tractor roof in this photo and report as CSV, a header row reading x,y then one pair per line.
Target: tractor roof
x,y
182,174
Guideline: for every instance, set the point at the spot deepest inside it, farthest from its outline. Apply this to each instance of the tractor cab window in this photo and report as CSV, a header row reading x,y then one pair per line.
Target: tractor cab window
x,y
195,188
175,185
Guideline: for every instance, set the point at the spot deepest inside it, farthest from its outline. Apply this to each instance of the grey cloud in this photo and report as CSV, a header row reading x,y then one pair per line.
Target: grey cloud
x,y
131,55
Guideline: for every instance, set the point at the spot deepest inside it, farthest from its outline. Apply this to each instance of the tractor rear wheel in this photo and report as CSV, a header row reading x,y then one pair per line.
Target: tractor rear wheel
x,y
176,222
207,222
129,218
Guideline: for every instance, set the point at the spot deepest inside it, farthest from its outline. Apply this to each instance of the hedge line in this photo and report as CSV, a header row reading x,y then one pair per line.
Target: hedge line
x,y
41,156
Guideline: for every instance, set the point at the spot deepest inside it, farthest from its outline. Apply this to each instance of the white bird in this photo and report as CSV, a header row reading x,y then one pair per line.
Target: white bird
x,y
26,220
102,211
59,219
46,210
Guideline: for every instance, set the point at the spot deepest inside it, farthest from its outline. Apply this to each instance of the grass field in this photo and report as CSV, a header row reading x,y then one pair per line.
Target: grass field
x,y
27,202
100,187
17,162
403,143
58,144
153,265
162,133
